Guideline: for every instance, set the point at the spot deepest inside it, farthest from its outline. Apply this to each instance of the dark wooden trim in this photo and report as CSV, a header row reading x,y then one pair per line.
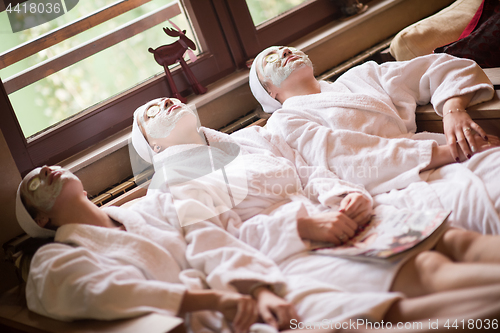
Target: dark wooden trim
x,y
205,20
247,33
284,29
228,28
90,127
13,134
93,125
56,36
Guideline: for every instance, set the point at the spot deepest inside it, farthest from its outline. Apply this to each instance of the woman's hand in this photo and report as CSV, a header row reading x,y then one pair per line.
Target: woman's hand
x,y
239,309
274,310
459,127
492,142
357,207
333,227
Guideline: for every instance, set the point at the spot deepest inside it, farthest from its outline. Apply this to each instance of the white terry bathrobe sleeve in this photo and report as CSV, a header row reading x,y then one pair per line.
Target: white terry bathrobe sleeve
x,y
68,283
382,99
227,263
428,79
378,100
318,182
379,164
102,273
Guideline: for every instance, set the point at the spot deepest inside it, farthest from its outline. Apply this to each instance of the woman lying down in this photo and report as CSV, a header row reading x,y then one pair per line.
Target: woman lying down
x,y
116,263
284,205
122,262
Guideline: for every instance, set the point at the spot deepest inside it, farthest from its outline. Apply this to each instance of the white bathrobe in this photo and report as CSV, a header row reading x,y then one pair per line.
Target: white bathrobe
x,y
362,126
320,287
102,273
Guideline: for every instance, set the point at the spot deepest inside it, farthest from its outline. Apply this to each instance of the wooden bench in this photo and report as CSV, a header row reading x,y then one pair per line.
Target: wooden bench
x,y
15,317
486,115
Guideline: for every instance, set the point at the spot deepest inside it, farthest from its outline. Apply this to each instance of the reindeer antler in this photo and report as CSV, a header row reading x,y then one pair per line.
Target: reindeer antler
x,y
181,33
172,32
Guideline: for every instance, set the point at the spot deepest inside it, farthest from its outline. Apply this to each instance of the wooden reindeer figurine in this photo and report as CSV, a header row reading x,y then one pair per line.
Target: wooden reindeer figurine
x,y
169,54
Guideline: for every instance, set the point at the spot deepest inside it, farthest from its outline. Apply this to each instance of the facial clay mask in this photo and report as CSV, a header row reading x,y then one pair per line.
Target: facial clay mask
x,y
44,190
163,118
276,68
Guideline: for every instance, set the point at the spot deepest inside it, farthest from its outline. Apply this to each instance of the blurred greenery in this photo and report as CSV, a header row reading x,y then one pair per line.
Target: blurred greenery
x,y
90,81
263,10
103,75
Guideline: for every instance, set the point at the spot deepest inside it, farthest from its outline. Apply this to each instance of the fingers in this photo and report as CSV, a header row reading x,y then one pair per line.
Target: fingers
x,y
462,135
363,217
476,139
352,203
358,208
246,315
479,130
341,230
268,317
492,142
349,204
348,226
252,316
344,203
463,144
452,143
240,314
469,134
285,313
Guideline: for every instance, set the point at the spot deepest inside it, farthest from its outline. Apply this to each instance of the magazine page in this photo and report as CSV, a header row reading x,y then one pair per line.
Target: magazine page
x,y
388,235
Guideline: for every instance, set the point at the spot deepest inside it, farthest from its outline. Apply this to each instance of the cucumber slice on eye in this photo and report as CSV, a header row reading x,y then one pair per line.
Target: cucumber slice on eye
x,y
153,111
34,184
271,57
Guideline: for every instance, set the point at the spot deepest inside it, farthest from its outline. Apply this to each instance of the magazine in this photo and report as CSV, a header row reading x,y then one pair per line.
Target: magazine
x,y
391,237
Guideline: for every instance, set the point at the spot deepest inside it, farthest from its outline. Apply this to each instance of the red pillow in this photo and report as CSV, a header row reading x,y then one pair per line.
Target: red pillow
x,y
480,40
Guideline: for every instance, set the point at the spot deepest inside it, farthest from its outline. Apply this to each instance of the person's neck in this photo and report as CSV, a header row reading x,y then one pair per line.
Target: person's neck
x,y
198,138
304,87
84,211
193,137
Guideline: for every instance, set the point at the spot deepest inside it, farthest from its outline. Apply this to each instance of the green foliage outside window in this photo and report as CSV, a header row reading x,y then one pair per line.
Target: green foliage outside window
x,y
66,93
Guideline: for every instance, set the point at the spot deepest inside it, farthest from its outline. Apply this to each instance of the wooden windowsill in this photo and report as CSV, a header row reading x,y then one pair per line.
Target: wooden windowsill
x,y
122,138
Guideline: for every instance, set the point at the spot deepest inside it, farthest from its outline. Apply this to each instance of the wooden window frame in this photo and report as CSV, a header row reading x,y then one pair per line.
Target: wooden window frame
x,y
226,42
96,123
281,30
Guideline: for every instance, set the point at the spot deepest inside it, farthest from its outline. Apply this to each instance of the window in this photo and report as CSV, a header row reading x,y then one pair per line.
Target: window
x,y
93,79
263,10
224,30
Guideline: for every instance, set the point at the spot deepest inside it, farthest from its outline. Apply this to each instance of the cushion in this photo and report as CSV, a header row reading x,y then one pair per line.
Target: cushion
x,y
440,29
481,39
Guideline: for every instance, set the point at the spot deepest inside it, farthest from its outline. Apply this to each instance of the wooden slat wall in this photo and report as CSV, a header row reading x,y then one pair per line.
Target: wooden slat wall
x,y
90,48
56,36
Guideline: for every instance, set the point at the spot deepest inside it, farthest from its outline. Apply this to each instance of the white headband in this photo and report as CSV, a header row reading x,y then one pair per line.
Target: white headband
x,y
268,103
26,221
139,142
